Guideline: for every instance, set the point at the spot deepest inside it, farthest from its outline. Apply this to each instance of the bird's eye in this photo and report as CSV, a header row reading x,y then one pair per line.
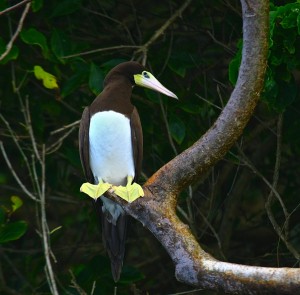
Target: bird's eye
x,y
145,74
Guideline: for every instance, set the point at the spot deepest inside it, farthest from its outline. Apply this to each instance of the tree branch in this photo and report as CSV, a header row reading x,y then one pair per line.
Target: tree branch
x,y
14,7
214,144
17,32
156,210
139,48
15,175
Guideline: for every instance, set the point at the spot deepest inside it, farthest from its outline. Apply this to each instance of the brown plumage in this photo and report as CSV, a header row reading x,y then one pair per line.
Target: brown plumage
x,y
111,148
116,97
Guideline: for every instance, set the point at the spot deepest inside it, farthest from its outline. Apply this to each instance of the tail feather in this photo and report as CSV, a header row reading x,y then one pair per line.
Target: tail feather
x,y
114,230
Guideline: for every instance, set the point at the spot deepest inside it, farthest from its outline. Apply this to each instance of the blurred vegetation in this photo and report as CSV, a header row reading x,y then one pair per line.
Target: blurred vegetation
x,y
197,58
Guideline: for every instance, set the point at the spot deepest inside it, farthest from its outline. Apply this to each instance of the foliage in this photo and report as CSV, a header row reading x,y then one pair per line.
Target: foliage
x,y
283,63
11,231
226,211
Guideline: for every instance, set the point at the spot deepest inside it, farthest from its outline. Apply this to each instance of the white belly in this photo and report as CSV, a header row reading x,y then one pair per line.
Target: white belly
x,y
111,155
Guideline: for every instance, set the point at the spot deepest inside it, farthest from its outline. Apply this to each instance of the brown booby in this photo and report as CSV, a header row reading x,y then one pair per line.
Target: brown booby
x,y
111,151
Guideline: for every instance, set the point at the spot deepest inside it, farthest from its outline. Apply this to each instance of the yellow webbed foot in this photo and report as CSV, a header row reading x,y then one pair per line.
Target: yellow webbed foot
x,y
95,190
130,192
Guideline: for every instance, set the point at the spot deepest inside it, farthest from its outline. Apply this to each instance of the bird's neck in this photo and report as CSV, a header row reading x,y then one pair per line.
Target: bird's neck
x,y
116,97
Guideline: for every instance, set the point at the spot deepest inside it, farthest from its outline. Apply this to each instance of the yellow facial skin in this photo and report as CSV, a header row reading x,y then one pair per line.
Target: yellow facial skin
x,y
131,191
147,80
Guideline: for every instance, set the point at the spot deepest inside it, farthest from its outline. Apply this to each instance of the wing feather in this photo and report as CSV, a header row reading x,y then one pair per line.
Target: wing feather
x,y
84,144
137,142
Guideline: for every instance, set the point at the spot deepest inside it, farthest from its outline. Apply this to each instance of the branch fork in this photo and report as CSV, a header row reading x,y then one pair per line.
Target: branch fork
x,y
156,210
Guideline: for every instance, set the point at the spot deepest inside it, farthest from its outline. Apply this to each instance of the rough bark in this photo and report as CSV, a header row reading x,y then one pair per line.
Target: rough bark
x,y
156,210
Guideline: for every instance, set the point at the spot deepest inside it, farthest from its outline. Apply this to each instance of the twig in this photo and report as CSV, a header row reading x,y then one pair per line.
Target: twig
x,y
163,28
13,172
209,102
142,48
183,213
190,209
14,7
213,232
35,176
3,286
30,130
100,50
167,126
276,171
228,49
45,230
113,20
65,127
93,288
282,233
248,163
15,139
289,246
55,146
190,190
187,292
75,285
17,32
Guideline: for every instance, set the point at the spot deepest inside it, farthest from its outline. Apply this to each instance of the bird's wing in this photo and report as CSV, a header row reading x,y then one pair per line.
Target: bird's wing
x,y
84,145
137,142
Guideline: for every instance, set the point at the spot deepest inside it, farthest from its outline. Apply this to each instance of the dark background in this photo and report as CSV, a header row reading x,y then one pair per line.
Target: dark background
x,y
197,57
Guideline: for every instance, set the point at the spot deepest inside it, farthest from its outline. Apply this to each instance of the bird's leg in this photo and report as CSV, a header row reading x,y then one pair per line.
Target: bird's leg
x,y
95,190
130,192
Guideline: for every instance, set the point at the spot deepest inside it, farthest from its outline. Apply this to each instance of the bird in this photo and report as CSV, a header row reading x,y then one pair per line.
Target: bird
x,y
111,151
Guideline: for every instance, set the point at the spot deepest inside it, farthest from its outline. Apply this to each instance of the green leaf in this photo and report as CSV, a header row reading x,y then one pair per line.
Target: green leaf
x,y
177,129
34,37
96,78
60,44
271,88
12,55
291,13
289,41
279,94
16,203
12,231
275,60
66,7
49,80
36,5
72,83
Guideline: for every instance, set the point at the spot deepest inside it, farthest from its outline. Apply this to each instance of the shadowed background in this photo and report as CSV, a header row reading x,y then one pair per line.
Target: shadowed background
x,y
197,57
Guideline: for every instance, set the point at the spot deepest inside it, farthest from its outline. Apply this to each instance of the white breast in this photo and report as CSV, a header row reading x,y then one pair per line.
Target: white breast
x,y
111,155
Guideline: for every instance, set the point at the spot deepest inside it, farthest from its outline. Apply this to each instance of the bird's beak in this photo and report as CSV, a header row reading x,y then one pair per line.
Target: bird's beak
x,y
147,80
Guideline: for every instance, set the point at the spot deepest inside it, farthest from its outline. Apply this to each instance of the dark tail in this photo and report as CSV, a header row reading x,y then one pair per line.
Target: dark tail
x,y
114,236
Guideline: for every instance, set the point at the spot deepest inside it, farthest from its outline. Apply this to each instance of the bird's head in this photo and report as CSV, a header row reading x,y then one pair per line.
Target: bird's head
x,y
147,80
138,75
